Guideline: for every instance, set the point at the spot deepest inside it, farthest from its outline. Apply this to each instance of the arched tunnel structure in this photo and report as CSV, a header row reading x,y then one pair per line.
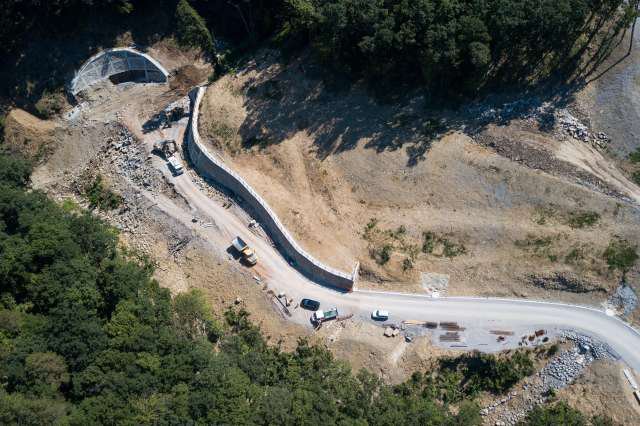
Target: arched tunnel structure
x,y
118,64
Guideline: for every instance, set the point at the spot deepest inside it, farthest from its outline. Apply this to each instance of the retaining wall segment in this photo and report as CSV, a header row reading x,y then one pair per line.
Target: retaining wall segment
x,y
114,61
213,168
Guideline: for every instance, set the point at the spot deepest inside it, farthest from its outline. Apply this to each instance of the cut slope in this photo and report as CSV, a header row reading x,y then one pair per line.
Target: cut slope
x,y
328,162
28,135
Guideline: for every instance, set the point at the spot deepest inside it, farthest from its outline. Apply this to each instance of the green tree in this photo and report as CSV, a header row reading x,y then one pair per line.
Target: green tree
x,y
555,414
193,317
191,28
14,170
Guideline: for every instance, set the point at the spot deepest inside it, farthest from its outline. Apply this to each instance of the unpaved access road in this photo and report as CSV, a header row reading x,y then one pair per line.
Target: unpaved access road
x,y
218,225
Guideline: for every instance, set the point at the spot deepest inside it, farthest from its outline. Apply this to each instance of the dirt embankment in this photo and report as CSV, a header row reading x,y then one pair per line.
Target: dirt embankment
x,y
357,179
28,135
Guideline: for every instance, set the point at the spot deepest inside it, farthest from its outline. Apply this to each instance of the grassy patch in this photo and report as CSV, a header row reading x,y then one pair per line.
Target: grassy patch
x,y
534,242
620,255
574,257
100,196
70,206
634,157
384,242
542,214
538,246
583,219
438,245
223,132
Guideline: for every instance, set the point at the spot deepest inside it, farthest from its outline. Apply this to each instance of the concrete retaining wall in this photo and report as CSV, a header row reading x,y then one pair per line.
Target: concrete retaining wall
x,y
215,169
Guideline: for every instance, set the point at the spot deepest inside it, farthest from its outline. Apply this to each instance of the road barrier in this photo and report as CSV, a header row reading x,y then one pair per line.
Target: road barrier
x,y
215,169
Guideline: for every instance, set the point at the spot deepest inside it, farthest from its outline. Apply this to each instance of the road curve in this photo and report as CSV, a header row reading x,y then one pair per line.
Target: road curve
x,y
479,315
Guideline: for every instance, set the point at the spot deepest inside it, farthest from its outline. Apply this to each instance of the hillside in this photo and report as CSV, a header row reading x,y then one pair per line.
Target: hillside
x,y
351,175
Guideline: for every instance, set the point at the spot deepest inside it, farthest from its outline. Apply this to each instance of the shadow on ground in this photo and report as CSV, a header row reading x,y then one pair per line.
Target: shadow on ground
x,y
297,98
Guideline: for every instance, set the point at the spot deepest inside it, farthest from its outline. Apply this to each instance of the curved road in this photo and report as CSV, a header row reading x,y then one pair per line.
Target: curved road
x,y
478,315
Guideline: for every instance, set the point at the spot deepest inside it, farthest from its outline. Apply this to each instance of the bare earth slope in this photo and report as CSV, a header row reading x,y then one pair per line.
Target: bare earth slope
x,y
329,162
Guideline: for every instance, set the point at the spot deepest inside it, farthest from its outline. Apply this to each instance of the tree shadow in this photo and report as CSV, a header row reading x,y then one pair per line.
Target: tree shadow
x,y
301,97
49,59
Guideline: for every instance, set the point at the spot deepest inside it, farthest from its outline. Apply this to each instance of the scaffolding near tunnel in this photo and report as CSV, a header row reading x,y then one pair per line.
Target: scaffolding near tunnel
x,y
118,64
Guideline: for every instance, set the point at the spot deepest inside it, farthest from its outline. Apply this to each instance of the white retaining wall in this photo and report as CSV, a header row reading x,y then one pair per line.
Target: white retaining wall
x,y
215,169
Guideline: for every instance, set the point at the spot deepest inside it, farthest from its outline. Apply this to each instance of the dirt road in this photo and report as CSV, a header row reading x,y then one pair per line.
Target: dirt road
x,y
218,225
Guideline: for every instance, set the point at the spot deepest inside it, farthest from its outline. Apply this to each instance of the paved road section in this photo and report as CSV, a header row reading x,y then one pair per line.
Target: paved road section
x,y
478,315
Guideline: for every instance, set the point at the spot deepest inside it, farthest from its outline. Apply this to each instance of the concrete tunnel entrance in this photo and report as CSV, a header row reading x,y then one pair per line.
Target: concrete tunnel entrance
x,y
118,65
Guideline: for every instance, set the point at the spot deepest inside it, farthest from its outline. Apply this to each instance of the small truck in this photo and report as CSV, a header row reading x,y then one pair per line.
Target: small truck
x,y
176,166
247,253
321,316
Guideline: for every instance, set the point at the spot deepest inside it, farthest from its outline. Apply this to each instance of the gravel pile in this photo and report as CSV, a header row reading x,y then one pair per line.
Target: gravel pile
x,y
625,299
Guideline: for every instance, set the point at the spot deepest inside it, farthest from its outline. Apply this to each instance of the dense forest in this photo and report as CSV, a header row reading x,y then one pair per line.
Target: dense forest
x,y
88,337
451,47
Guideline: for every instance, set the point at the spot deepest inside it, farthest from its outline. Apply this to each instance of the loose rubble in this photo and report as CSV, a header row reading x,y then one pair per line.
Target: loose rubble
x,y
546,115
624,299
574,128
561,371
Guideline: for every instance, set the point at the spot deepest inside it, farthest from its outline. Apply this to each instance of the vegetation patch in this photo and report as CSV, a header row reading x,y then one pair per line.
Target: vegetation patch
x,y
541,215
51,104
191,29
100,196
384,242
620,255
560,413
634,157
223,132
477,372
439,245
579,220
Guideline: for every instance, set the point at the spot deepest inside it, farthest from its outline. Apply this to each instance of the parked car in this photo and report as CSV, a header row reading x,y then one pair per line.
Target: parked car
x,y
379,315
310,304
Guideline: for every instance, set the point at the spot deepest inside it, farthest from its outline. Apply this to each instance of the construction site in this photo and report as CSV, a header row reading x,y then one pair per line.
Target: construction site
x,y
489,239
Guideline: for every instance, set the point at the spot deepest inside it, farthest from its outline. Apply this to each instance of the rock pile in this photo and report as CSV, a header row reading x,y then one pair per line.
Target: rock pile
x,y
129,157
574,128
558,373
625,299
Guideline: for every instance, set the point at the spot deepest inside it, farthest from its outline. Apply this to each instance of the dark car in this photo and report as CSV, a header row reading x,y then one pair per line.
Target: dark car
x,y
312,305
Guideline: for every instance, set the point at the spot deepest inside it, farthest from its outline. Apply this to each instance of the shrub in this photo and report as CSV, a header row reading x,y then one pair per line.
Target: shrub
x,y
100,196
487,372
636,177
407,264
50,104
384,254
191,28
14,170
449,248
620,254
581,219
556,414
634,157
